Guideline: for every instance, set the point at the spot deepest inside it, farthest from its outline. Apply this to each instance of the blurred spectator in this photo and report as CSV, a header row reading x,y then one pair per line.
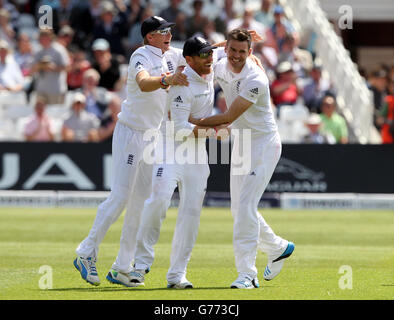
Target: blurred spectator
x,y
386,116
179,32
378,85
81,126
266,13
64,15
13,13
247,22
87,18
268,57
7,33
134,10
112,27
39,126
107,125
106,65
300,59
50,68
284,90
171,12
65,37
78,67
210,34
23,54
315,89
135,37
224,17
391,77
332,122
11,77
315,135
197,21
281,27
97,98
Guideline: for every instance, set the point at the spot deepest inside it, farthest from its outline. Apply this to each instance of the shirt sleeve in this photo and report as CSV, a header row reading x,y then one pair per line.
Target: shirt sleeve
x,y
252,90
181,61
137,64
180,104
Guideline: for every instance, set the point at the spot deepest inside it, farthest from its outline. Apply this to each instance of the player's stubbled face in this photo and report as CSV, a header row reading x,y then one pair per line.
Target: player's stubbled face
x,y
237,53
203,63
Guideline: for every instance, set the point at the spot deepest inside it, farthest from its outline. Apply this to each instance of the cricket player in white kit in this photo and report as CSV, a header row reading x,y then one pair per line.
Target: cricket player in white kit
x,y
246,90
148,78
190,177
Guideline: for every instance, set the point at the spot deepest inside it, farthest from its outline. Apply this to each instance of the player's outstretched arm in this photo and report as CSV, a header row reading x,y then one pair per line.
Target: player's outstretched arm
x,y
148,83
237,108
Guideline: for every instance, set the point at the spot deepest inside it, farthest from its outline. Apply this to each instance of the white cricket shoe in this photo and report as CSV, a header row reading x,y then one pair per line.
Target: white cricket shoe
x,y
87,269
124,279
275,264
137,277
183,284
245,282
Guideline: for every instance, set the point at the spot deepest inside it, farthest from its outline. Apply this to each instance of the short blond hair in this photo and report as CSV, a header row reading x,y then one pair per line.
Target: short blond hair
x,y
91,73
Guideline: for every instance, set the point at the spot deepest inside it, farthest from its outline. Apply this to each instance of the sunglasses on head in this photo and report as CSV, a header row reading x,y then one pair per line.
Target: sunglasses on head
x,y
205,55
162,31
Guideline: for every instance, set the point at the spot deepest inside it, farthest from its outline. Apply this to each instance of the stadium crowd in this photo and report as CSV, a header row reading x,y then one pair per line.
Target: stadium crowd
x,y
67,83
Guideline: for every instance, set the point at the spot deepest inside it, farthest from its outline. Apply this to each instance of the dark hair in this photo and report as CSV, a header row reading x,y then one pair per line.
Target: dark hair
x,y
240,35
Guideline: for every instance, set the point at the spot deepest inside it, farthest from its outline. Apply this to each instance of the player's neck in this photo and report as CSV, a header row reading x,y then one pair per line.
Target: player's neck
x,y
236,69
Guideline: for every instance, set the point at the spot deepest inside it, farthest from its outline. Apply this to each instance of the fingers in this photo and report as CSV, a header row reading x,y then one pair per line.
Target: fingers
x,y
179,79
255,36
180,68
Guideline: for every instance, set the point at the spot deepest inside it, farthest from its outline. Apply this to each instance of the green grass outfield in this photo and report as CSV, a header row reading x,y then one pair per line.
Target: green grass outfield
x,y
325,241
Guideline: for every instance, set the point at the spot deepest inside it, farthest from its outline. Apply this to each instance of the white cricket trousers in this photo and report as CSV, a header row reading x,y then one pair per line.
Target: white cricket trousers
x,y
131,186
192,182
250,229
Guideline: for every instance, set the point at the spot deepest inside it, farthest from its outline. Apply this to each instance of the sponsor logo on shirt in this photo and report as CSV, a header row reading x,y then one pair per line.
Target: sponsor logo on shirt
x,y
138,64
255,90
178,99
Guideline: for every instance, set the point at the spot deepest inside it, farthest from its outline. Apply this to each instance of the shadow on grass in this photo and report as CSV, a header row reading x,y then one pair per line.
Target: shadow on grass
x,y
117,289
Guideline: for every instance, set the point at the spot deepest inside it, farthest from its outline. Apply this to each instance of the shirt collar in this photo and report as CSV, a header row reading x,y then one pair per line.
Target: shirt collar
x,y
245,70
156,51
194,75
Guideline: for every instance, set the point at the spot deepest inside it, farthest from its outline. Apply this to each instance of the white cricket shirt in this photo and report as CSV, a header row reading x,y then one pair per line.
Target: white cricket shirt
x,y
196,99
252,84
145,110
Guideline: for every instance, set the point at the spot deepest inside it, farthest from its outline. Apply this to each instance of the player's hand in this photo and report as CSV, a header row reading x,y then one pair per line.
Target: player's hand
x,y
256,61
255,36
222,132
178,78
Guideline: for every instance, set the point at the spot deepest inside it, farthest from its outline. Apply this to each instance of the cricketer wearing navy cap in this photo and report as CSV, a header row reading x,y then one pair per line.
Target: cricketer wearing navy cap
x,y
154,23
196,46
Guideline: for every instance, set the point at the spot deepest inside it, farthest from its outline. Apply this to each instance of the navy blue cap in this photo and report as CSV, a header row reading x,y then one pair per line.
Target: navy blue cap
x,y
154,23
196,45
